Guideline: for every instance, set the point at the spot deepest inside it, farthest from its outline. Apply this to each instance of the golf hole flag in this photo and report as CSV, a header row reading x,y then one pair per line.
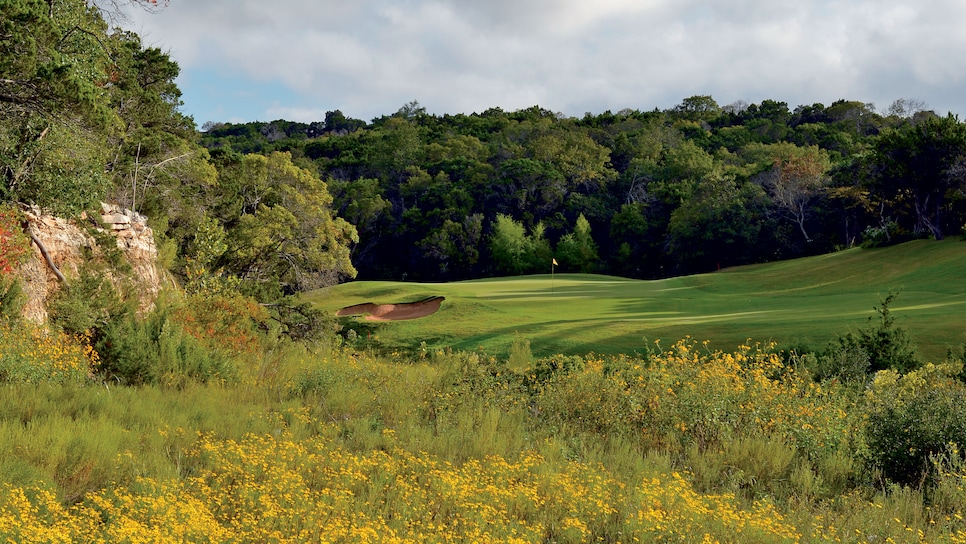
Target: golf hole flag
x,y
553,263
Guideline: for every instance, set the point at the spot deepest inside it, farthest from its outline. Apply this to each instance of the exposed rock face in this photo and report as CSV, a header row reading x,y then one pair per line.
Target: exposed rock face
x,y
69,245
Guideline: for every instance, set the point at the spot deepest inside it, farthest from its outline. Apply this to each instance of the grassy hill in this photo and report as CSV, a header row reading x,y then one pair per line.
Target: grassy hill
x,y
804,301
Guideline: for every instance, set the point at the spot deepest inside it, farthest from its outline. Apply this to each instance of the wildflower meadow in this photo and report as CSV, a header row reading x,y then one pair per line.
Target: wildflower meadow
x,y
343,444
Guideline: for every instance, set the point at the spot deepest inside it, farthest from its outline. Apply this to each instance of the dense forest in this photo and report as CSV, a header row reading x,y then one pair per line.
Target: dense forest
x,y
643,194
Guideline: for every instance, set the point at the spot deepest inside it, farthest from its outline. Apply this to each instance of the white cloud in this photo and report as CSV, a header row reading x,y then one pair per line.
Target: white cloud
x,y
302,115
368,57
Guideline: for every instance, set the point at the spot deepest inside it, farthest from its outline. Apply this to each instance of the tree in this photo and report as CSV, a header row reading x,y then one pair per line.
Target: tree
x,y
455,246
919,165
515,252
719,225
768,120
888,345
396,149
509,245
630,233
540,250
53,61
905,108
336,121
703,186
535,187
685,162
578,158
54,114
796,178
411,111
360,203
854,117
698,108
291,238
155,154
577,249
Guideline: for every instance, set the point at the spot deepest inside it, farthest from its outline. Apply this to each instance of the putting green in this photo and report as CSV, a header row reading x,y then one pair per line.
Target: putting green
x,y
804,301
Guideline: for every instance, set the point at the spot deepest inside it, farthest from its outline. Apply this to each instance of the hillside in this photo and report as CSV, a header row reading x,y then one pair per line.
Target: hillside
x,y
806,301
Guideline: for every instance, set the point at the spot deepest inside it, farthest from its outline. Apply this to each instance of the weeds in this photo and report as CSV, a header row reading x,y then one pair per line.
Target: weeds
x,y
455,446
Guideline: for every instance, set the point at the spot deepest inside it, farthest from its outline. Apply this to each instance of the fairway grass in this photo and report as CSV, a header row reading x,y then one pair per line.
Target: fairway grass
x,y
802,302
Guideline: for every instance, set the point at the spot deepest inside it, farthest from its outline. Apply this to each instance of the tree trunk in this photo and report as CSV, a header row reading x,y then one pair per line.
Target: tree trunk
x,y
924,222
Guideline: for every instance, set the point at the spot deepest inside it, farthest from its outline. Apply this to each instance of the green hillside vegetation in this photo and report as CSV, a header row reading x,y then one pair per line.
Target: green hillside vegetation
x,y
642,194
803,304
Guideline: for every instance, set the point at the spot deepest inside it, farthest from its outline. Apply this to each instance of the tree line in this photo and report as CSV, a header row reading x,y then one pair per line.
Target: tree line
x,y
636,193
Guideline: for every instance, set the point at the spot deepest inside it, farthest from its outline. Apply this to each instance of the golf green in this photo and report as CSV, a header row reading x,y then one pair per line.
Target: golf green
x,y
805,301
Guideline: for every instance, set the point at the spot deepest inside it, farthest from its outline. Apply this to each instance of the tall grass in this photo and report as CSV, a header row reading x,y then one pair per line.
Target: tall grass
x,y
331,443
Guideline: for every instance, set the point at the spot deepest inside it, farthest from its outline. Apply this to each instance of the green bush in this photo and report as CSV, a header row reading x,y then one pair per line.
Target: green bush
x,y
546,367
747,465
11,299
887,346
520,358
14,244
881,236
591,400
157,350
317,380
913,418
845,360
88,305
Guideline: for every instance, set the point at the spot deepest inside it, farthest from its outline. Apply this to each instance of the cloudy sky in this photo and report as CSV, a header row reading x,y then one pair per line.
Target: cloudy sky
x,y
260,60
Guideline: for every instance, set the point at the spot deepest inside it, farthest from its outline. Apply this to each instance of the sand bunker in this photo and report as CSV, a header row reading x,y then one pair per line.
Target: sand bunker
x,y
394,312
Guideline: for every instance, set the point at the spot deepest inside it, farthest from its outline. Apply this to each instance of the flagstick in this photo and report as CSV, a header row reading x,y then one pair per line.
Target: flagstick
x,y
551,277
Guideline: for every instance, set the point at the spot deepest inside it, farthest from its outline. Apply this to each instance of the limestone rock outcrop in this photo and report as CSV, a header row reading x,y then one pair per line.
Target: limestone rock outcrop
x,y
69,244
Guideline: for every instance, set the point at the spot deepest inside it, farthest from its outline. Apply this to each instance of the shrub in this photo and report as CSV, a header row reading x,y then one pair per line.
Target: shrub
x,y
845,360
948,492
226,321
157,350
887,346
14,248
88,305
546,367
11,299
912,418
592,400
299,321
520,357
690,396
881,236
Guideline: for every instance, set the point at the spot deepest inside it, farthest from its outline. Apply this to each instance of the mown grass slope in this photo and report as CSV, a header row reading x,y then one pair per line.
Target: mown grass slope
x,y
798,302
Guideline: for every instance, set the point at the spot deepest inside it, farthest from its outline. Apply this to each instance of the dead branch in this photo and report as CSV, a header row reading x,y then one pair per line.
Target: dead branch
x,y
50,262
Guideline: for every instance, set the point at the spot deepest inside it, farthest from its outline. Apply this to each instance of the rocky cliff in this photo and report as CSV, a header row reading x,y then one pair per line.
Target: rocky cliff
x,y
71,243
